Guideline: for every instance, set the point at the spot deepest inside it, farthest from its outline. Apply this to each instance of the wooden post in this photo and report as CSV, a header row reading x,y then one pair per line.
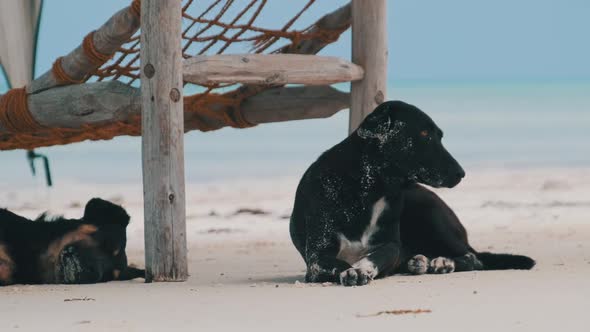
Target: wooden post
x,y
162,138
369,50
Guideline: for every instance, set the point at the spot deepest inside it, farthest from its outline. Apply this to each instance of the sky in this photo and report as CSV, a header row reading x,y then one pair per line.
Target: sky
x,y
489,40
429,40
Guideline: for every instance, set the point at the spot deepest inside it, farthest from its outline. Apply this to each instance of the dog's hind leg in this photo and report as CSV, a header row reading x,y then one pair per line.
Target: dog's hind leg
x,y
441,265
467,262
420,264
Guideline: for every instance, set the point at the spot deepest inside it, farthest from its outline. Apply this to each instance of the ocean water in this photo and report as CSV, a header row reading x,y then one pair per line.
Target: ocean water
x,y
500,124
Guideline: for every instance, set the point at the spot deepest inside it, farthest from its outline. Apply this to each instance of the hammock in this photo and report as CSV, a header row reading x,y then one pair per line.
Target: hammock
x,y
212,27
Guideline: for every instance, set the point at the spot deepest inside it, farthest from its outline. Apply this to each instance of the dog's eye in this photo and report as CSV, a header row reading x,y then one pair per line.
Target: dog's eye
x,y
424,133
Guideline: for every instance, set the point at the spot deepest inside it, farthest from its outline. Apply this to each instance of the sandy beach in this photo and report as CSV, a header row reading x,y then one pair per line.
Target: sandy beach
x,y
247,276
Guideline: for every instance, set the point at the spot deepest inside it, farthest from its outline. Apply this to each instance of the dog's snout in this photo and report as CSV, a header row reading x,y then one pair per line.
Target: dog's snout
x,y
460,174
455,176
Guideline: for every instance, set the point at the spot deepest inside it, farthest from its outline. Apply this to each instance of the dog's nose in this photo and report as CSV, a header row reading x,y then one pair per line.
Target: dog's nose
x,y
460,174
455,177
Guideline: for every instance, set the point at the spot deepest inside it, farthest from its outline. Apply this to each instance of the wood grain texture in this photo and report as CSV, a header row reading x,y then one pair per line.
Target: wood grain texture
x,y
369,50
104,102
107,39
294,103
163,141
269,69
77,105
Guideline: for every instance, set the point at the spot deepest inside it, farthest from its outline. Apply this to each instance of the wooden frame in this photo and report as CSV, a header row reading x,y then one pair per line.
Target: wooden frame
x,y
53,106
163,141
269,69
106,102
369,50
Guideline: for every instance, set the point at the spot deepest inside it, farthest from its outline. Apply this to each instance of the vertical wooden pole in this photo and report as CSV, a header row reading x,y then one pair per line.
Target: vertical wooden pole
x,y
163,141
369,50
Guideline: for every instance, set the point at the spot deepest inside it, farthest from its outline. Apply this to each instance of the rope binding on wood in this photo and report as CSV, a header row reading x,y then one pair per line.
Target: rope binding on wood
x,y
135,8
14,112
97,58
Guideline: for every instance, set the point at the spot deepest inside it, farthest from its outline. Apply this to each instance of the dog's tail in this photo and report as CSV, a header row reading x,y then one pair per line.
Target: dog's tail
x,y
492,261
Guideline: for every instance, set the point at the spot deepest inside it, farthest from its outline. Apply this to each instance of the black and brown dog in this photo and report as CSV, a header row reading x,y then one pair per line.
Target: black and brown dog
x,y
360,213
66,251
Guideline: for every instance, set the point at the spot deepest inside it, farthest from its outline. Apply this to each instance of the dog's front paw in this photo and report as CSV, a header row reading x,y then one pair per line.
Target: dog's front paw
x,y
69,267
418,264
441,265
356,276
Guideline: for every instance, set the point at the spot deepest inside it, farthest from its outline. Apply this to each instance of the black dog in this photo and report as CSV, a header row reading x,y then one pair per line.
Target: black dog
x,y
68,251
359,213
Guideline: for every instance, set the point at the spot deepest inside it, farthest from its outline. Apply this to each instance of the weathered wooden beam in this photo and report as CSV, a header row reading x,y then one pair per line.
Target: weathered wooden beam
x,y
269,69
75,106
335,22
107,40
81,104
295,103
369,50
163,141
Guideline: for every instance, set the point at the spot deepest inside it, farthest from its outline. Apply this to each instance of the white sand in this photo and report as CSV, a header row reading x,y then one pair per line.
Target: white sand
x,y
245,273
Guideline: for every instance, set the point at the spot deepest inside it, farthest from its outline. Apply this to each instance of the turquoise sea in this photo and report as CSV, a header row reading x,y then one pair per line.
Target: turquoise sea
x,y
486,124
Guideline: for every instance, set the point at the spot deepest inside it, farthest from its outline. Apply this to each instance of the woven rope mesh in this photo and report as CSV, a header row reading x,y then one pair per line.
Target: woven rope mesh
x,y
208,27
214,27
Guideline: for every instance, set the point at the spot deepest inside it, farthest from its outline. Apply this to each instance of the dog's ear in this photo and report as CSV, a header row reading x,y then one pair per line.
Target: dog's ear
x,y
381,125
376,121
99,211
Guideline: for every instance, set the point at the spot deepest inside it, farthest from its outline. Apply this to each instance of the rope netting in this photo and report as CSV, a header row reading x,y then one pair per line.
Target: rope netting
x,y
213,31
208,27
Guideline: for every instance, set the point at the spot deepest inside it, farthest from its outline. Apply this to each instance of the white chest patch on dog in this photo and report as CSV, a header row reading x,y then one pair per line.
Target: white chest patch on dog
x,y
353,251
